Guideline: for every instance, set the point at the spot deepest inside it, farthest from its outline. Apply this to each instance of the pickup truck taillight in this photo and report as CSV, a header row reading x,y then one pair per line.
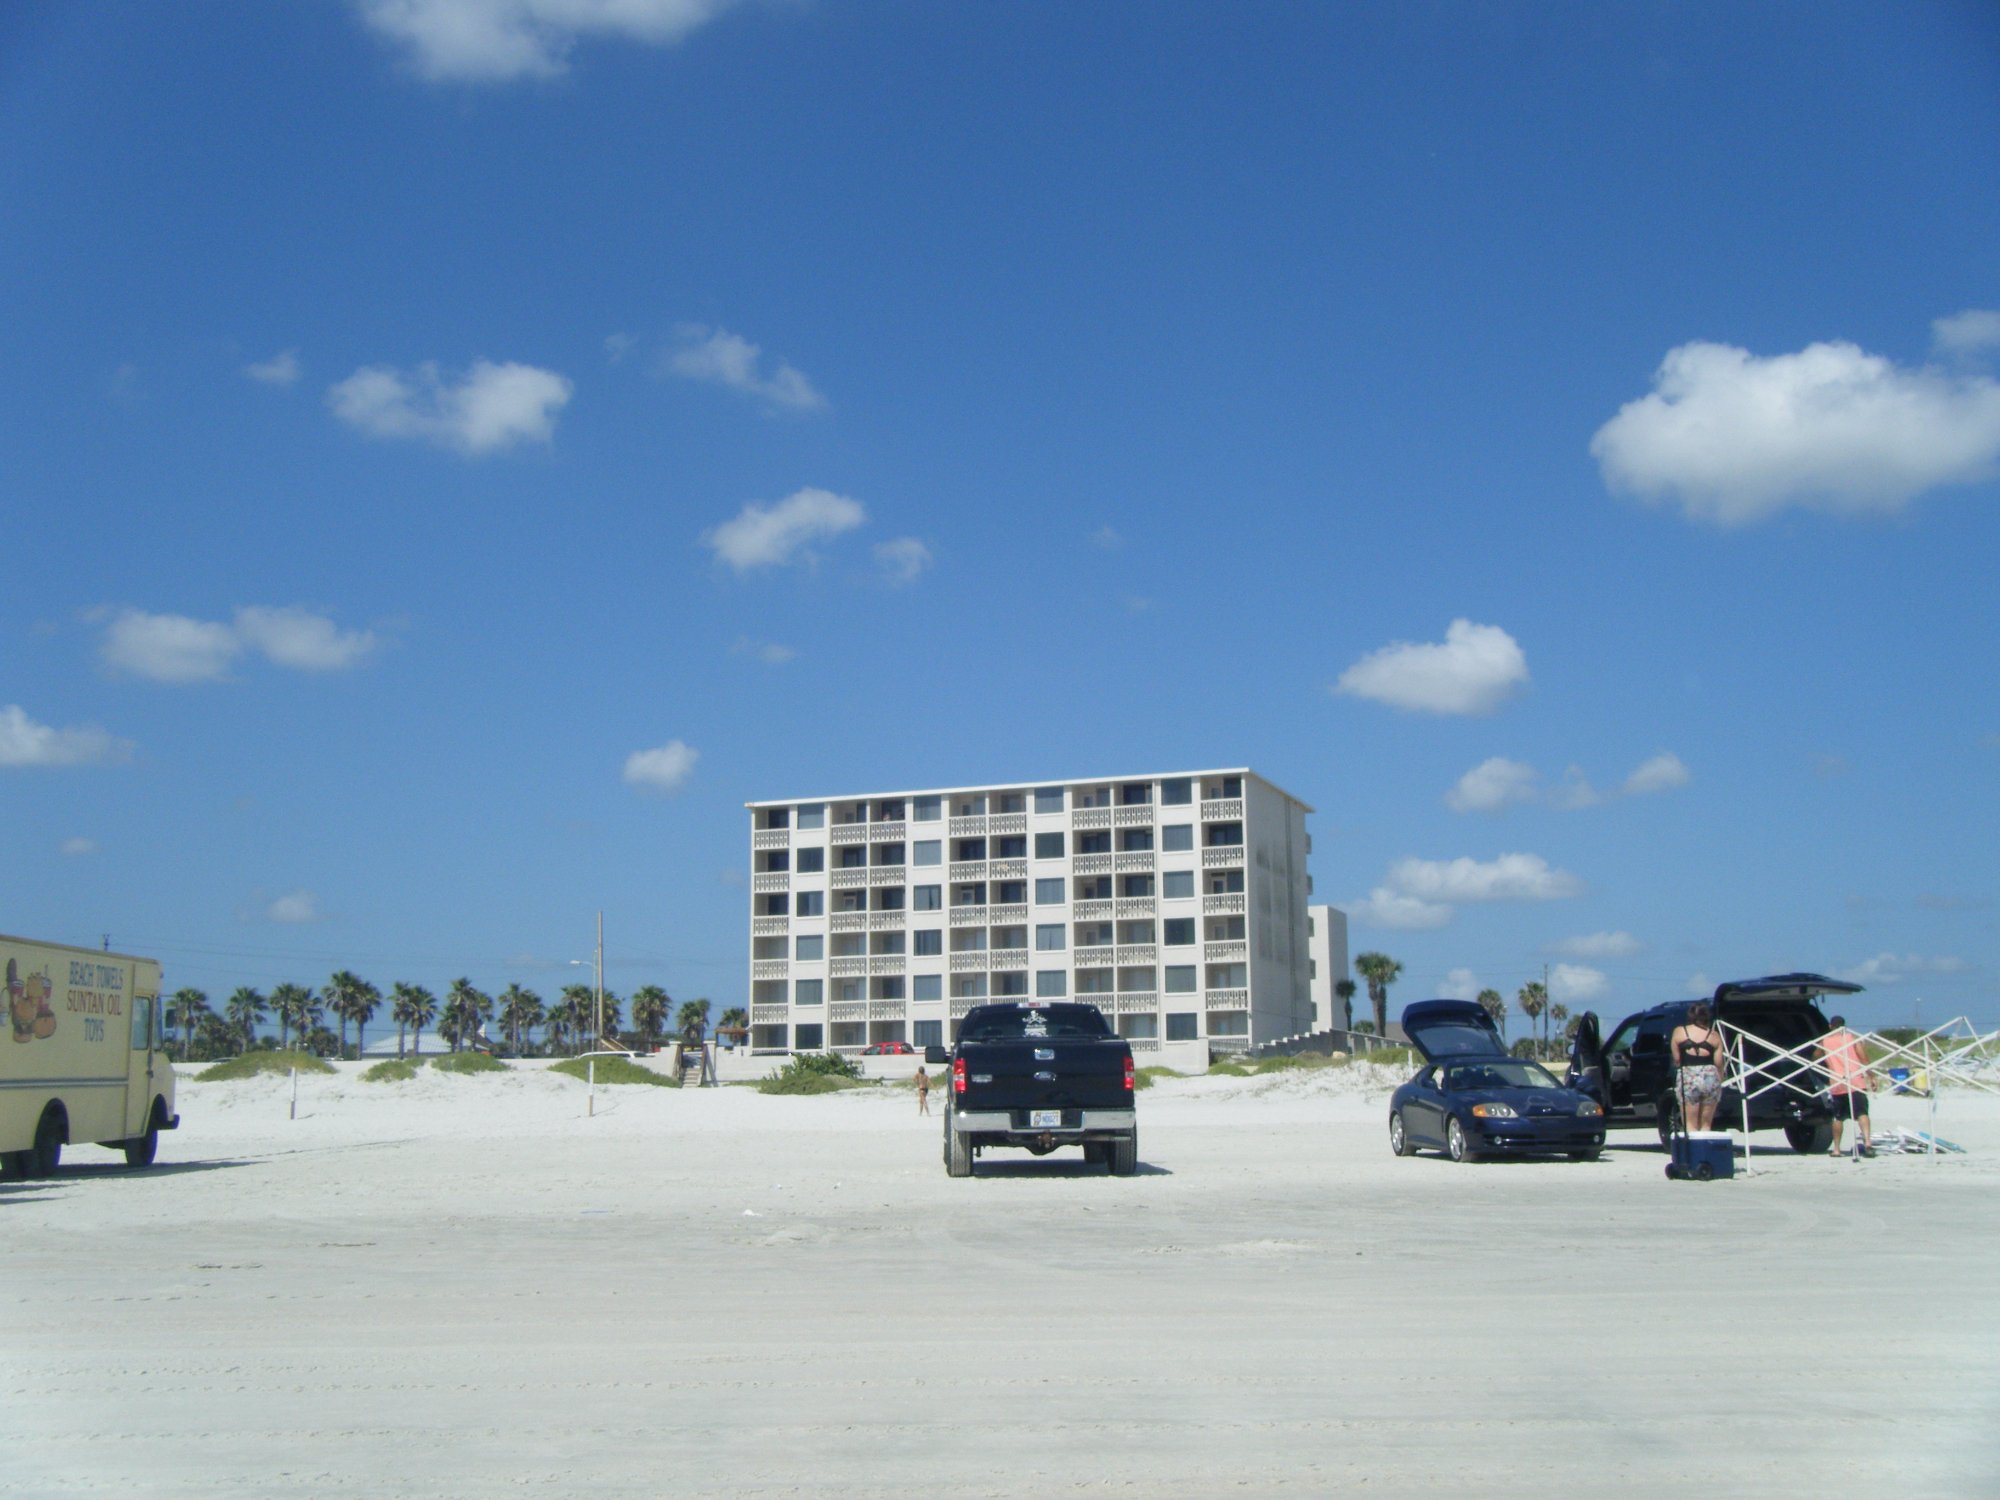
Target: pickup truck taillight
x,y
1128,1075
958,1075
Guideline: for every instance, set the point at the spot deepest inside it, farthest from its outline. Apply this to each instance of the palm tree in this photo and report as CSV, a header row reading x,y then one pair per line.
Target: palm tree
x,y
1380,971
367,1000
1533,999
1558,1015
692,1018
342,987
246,1009
217,1036
1495,1005
185,1012
606,1021
416,1007
649,1012
464,1008
736,1015
520,1011
1343,989
573,1018
298,1011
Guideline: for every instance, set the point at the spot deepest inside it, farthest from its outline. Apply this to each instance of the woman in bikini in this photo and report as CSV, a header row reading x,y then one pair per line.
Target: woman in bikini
x,y
1695,1046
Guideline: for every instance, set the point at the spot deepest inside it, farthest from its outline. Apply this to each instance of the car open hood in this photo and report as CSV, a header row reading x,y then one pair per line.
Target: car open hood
x,y
1448,1030
1784,987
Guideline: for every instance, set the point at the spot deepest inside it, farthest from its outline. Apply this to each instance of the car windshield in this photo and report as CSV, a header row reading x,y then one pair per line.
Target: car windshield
x,y
1015,1023
1501,1073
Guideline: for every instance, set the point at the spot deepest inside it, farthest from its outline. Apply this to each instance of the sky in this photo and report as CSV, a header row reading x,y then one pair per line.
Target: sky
x,y
454,453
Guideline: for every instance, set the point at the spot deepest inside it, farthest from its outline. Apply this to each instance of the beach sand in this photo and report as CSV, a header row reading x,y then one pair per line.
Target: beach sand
x,y
467,1286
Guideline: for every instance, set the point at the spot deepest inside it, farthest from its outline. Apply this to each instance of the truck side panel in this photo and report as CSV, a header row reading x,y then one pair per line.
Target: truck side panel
x,y
78,1032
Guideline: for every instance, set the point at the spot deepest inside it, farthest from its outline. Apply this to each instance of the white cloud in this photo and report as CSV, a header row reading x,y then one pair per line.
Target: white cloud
x,y
1576,792
495,406
723,358
1388,908
902,558
1662,773
78,848
1459,984
761,537
770,653
665,769
24,743
1107,538
1511,877
617,346
492,41
177,649
1967,332
1474,671
1599,945
169,648
1894,968
1493,786
1733,438
1568,982
279,369
294,908
297,638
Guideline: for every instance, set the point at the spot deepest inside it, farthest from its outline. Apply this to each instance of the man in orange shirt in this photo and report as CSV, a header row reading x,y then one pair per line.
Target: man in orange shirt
x,y
1846,1068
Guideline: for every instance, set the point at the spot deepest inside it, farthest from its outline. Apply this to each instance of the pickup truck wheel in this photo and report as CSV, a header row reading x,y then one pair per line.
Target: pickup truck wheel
x,y
1399,1136
1810,1137
1125,1154
47,1153
957,1152
1093,1152
1456,1144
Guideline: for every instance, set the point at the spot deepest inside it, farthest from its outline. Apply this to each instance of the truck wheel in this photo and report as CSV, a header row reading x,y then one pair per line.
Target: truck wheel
x,y
1399,1137
1810,1137
1125,1154
14,1164
957,1152
139,1151
47,1154
1093,1152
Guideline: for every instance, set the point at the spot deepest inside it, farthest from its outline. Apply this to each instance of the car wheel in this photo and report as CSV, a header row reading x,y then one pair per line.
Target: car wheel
x,y
1810,1137
47,1153
1457,1144
1399,1137
1125,1154
957,1151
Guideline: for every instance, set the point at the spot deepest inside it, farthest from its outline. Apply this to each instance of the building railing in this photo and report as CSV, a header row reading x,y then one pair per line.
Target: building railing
x,y
886,875
881,919
1143,1043
888,833
886,963
768,1015
848,964
1141,955
1091,864
966,962
1007,823
849,1010
1008,869
1228,901
1131,1000
968,916
1097,956
967,827
1135,906
772,880
1007,958
1222,807
1133,817
769,968
849,921
885,1010
1001,915
1222,854
848,833
1228,1000
771,838
968,869
1228,948
1091,817
1090,911
1135,860
770,926
848,876
1229,1044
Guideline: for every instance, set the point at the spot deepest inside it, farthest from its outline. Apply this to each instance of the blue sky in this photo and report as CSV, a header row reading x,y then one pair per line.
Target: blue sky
x,y
453,454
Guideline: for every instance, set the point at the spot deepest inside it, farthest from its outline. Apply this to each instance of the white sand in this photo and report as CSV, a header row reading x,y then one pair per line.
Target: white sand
x,y
463,1286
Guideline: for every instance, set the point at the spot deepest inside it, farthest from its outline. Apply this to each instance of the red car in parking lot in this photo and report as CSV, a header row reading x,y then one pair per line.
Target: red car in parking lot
x,y
887,1049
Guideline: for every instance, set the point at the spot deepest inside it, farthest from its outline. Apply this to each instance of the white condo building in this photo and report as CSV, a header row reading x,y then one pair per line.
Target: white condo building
x,y
1176,903
1326,957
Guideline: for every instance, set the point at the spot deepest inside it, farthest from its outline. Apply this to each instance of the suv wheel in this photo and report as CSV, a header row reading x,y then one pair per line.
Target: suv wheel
x,y
1810,1137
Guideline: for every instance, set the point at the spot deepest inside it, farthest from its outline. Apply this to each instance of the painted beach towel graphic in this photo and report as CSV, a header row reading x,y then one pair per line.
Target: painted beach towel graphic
x,y
28,1004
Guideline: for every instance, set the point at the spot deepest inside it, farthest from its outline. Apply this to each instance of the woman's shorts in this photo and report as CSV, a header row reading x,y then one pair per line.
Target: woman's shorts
x,y
1701,1085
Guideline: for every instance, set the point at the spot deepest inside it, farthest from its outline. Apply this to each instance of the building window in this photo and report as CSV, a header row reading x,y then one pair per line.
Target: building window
x,y
1050,984
1135,794
927,852
969,849
1010,937
971,894
888,898
1137,885
927,1033
886,987
1010,893
1228,976
1177,791
885,943
775,860
888,854
1093,981
1049,892
808,991
1136,981
854,857
1232,786
1134,1027
927,986
810,903
1176,884
1013,846
850,989
926,809
1180,979
1229,1023
1136,840
1009,802
973,806
1224,834
809,1037
1048,799
1179,932
1094,843
813,815
1049,937
771,906
1182,1028
927,942
811,861
1009,986
811,948
1093,888
968,986
850,901
926,898
1048,846
1177,836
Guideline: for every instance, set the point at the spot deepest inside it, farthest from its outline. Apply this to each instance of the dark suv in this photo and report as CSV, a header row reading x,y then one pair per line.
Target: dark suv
x,y
1631,1075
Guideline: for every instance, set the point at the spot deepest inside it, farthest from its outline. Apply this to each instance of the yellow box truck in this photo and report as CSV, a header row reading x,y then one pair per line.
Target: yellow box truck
x,y
80,1056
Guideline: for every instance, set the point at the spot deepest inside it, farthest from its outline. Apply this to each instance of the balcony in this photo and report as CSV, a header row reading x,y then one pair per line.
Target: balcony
x,y
1133,817
968,916
768,1015
849,1010
970,828
1091,864
1145,955
846,878
772,880
1131,1000
1229,901
770,926
962,1005
1227,951
886,875
1222,807
1000,916
848,964
888,833
1007,823
1135,906
1222,854
1229,1044
1007,958
1143,1043
849,833
1228,1000
969,869
886,963
1092,911
966,963
771,838
880,919
1135,861
1099,957
1091,817
1009,869
849,921
769,968
885,1010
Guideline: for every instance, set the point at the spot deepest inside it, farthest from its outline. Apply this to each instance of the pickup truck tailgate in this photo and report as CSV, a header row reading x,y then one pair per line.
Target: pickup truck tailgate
x,y
1068,1074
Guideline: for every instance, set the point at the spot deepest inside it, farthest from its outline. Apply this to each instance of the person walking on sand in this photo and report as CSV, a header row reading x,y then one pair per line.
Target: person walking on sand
x,y
1695,1046
1847,1087
923,1091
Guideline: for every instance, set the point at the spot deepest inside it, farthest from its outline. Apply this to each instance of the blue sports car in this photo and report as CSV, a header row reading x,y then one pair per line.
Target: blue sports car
x,y
1471,1099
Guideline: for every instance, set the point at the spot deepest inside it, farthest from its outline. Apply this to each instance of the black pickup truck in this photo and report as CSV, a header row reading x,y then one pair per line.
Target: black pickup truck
x,y
1039,1075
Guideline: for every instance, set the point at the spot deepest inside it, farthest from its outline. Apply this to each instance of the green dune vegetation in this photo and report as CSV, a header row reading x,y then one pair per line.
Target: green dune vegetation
x,y
614,1070
251,1064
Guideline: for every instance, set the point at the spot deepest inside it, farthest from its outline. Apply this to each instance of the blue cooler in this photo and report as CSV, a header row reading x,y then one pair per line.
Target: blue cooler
x,y
1701,1155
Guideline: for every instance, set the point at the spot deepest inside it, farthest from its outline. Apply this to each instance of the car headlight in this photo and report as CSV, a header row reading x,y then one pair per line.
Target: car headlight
x,y
1493,1111
1590,1109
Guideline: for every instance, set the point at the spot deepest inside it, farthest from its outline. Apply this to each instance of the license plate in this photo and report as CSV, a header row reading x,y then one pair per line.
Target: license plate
x,y
1044,1119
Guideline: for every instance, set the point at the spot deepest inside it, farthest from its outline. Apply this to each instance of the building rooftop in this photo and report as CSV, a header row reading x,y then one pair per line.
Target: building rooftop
x,y
1026,786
